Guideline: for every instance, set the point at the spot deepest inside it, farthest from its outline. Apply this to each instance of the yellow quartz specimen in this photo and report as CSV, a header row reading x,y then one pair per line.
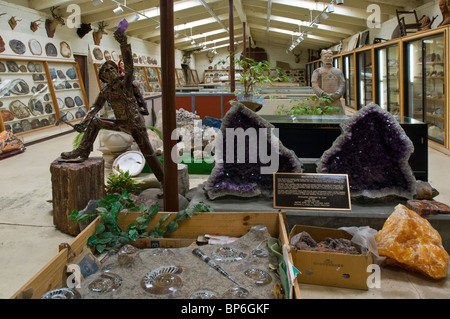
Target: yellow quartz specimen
x,y
409,241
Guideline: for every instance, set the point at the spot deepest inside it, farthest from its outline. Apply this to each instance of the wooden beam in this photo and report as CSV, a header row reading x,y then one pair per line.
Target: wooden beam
x,y
170,183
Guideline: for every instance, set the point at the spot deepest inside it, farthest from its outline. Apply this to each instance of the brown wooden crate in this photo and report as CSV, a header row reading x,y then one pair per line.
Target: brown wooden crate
x,y
53,274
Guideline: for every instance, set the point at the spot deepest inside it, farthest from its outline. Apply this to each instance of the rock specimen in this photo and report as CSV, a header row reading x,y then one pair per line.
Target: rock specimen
x,y
373,150
242,167
304,241
425,191
409,241
427,207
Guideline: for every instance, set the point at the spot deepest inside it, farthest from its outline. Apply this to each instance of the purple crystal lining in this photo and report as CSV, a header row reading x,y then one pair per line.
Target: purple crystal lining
x,y
244,179
374,151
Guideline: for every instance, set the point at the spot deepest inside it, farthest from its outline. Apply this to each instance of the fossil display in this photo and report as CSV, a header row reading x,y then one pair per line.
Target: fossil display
x,y
166,273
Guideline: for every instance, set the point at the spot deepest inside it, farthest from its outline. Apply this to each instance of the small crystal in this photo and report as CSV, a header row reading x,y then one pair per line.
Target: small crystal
x,y
122,26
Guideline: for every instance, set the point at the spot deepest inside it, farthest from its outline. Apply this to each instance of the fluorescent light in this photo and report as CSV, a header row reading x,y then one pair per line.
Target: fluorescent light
x,y
134,18
118,10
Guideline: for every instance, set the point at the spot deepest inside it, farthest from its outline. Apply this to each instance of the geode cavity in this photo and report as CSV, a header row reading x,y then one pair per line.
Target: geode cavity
x,y
247,153
373,150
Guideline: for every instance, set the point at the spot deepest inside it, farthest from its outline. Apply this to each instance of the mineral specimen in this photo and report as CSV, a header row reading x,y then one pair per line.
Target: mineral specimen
x,y
427,207
241,165
304,241
373,150
409,241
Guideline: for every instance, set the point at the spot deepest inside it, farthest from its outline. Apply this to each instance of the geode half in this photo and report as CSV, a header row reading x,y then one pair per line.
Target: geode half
x,y
373,150
247,153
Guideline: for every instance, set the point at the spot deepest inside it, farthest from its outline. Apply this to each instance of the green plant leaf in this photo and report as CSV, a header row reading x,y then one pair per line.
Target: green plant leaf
x,y
172,226
100,229
100,248
133,234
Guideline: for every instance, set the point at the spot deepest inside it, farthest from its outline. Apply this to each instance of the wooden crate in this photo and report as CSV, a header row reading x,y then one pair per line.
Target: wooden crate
x,y
235,224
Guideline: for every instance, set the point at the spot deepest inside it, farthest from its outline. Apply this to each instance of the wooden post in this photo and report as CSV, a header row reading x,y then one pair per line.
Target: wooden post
x,y
170,183
73,186
231,27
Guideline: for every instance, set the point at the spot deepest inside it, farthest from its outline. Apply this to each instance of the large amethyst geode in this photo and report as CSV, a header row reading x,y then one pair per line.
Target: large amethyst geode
x,y
373,150
247,153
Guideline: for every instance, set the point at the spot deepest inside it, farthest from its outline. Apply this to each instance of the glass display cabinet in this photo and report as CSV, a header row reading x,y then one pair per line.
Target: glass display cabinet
x,y
387,81
154,78
425,83
34,94
364,73
349,75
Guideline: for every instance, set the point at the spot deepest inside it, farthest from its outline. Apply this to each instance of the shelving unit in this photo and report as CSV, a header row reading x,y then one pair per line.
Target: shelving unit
x,y
35,93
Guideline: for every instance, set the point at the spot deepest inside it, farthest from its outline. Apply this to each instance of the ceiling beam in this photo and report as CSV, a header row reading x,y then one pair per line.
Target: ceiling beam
x,y
211,12
243,17
269,12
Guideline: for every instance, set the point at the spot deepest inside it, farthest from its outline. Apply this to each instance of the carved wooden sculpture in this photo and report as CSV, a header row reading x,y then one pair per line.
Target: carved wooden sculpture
x,y
443,6
51,24
97,35
128,105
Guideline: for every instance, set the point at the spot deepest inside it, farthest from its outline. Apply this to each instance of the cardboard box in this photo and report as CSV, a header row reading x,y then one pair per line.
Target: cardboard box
x,y
330,269
236,224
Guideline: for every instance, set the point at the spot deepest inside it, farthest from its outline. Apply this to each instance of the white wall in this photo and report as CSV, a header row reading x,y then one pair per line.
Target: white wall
x,y
63,33
274,54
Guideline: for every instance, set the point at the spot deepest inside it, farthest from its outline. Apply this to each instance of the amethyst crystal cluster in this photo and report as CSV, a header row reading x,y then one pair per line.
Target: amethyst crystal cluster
x,y
241,174
373,150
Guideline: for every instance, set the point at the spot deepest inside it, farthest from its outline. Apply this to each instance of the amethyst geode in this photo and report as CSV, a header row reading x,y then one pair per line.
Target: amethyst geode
x,y
373,150
245,162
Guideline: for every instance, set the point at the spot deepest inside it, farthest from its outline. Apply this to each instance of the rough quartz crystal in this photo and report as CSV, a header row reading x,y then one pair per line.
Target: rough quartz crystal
x,y
240,161
409,241
373,150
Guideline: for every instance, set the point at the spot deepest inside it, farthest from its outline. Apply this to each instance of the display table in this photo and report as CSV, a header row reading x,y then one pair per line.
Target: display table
x,y
309,136
373,215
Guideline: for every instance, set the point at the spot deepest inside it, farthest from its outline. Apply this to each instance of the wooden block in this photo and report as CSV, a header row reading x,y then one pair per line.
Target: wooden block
x,y
73,186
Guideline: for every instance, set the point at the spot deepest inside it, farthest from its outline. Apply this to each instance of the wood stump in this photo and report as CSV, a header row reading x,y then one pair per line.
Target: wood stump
x,y
73,186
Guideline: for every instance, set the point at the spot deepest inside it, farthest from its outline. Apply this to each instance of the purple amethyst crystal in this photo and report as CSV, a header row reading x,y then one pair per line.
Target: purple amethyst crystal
x,y
373,150
122,26
242,165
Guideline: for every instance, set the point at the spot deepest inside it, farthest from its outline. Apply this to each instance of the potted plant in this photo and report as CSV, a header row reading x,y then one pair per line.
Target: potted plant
x,y
253,76
312,105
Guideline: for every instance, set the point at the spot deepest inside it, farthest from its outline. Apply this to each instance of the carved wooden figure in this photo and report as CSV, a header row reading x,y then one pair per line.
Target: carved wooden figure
x,y
443,6
97,35
51,24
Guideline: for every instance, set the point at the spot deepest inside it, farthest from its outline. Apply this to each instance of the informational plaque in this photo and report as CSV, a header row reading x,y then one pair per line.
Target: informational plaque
x,y
311,191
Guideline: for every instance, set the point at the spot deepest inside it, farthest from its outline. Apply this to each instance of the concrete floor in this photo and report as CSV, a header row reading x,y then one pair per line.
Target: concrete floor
x,y
28,238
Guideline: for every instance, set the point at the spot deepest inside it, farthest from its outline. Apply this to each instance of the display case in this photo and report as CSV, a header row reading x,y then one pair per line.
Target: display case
x,y
349,75
425,85
180,77
388,78
34,94
67,89
215,76
140,79
364,78
154,78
